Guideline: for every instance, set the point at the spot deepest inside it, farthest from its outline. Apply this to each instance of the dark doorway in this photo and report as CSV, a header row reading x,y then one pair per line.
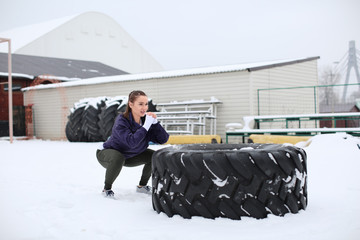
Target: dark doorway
x,y
18,123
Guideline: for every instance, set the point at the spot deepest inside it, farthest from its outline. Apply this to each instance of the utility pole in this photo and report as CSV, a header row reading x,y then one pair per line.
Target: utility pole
x,y
352,63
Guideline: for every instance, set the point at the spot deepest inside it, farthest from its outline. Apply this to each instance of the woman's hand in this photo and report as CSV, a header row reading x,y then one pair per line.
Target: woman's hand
x,y
153,115
149,120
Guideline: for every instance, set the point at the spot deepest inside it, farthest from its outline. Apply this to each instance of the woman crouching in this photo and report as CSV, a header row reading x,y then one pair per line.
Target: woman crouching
x,y
129,142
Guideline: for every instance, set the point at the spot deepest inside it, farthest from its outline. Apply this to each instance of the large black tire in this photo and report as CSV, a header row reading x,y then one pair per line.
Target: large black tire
x,y
90,121
106,120
108,114
152,106
73,130
229,180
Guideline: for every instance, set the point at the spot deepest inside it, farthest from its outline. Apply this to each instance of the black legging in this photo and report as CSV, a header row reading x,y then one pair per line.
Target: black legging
x,y
113,161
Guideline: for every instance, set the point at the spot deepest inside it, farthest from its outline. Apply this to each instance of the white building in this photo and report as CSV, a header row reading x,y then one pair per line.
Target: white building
x,y
236,86
90,36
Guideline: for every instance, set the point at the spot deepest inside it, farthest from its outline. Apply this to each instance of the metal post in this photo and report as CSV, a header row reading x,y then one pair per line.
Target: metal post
x,y
315,102
258,101
9,88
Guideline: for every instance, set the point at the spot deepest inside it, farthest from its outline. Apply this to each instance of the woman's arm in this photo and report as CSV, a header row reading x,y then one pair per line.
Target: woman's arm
x,y
158,134
124,138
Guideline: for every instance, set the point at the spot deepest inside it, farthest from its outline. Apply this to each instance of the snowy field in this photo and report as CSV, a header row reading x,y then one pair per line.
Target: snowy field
x,y
52,190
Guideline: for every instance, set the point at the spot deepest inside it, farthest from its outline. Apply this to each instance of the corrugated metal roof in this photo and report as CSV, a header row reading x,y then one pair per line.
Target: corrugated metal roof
x,y
62,69
178,73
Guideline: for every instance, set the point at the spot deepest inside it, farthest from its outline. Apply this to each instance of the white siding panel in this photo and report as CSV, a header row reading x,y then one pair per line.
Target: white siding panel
x,y
286,101
49,112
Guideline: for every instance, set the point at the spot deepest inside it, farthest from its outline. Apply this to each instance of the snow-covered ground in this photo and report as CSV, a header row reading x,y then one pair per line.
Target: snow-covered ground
x,y
51,190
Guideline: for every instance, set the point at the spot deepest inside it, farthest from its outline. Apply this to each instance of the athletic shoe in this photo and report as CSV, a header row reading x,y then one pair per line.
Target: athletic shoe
x,y
143,189
108,193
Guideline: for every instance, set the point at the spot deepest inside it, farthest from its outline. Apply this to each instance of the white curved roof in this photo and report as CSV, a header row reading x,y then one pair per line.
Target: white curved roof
x,y
90,36
22,36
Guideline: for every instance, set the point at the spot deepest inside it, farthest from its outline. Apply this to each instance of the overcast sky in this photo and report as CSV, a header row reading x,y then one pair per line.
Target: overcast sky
x,y
196,33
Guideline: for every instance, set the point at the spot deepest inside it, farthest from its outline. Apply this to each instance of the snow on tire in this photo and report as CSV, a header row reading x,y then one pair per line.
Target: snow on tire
x,y
108,113
229,180
73,129
90,119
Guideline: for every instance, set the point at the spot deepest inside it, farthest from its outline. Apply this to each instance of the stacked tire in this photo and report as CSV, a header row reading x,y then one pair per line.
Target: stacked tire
x,y
229,180
108,113
73,128
92,119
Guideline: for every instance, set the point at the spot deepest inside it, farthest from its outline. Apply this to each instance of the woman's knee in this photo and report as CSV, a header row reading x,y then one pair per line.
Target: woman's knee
x,y
142,158
100,158
149,153
107,157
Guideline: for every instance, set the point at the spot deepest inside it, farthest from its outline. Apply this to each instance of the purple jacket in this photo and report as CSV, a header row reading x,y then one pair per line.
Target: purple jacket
x,y
131,139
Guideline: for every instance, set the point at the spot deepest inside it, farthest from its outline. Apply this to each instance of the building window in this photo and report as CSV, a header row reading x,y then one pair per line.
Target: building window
x,y
15,87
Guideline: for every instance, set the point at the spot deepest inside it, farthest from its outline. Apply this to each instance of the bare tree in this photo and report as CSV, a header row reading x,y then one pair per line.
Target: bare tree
x,y
329,77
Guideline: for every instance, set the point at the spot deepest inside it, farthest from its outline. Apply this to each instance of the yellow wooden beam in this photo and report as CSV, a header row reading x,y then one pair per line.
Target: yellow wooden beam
x,y
193,139
277,139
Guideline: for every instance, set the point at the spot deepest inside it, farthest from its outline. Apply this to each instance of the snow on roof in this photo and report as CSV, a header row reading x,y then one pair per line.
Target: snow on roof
x,y
32,32
61,78
357,103
17,75
22,75
174,73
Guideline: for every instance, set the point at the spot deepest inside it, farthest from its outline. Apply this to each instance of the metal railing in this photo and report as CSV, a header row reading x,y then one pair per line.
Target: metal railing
x,y
303,99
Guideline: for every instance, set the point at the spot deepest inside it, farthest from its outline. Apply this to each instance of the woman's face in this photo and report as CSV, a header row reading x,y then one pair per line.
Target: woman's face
x,y
139,107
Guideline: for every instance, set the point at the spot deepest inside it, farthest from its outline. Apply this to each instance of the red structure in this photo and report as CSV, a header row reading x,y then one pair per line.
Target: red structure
x,y
33,70
349,122
18,105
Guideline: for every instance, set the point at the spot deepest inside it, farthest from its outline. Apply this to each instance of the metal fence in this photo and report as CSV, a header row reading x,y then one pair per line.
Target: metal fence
x,y
308,99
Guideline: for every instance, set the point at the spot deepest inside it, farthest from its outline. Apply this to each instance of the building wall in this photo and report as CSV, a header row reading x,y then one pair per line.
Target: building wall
x,y
236,90
94,36
51,106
